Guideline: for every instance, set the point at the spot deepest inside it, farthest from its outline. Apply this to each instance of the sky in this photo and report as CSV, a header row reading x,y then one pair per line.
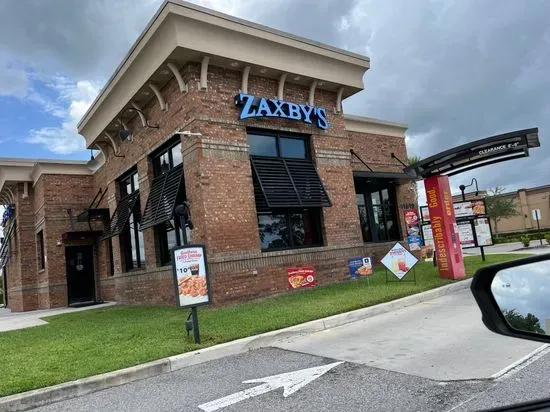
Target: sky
x,y
453,70
526,289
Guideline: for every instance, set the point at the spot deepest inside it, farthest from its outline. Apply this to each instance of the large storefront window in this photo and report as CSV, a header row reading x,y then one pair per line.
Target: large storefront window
x,y
131,238
288,192
377,210
168,233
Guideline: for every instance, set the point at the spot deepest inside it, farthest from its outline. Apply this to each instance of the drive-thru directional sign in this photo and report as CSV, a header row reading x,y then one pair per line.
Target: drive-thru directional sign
x,y
290,381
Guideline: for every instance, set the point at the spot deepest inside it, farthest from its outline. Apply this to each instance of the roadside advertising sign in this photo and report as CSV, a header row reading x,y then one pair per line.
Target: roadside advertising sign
x,y
399,260
360,266
190,276
303,277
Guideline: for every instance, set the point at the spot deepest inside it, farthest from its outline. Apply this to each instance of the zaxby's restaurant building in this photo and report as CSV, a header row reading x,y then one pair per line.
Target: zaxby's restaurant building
x,y
243,123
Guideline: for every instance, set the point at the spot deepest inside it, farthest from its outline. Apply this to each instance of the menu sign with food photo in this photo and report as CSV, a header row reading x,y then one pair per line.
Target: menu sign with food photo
x,y
191,276
399,260
303,277
361,266
469,208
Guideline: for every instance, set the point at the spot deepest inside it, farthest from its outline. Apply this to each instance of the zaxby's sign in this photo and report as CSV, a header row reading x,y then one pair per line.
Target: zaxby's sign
x,y
252,106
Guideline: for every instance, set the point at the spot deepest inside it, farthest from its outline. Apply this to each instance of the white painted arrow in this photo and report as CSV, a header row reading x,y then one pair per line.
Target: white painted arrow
x,y
290,381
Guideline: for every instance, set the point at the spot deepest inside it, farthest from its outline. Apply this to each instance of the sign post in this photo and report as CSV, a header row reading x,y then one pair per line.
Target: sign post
x,y
191,282
445,230
537,216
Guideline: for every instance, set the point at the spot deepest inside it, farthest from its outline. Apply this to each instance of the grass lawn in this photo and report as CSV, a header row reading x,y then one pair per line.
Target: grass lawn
x,y
87,343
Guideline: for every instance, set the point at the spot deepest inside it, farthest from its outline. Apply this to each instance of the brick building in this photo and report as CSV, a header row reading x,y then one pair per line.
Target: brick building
x,y
243,123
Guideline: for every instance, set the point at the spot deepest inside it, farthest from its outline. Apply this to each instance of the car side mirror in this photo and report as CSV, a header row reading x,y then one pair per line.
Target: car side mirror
x,y
514,297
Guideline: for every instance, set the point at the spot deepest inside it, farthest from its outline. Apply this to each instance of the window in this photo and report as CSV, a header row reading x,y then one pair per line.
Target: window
x,y
375,200
131,238
167,191
278,146
288,192
41,255
289,229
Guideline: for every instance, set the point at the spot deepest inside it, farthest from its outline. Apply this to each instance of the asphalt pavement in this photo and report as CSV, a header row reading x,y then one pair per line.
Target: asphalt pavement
x,y
433,356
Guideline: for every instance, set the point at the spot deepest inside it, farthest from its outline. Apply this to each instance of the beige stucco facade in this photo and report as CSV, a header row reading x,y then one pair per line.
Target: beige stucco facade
x,y
526,201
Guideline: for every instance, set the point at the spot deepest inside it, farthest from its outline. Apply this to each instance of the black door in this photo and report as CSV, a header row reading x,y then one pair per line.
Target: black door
x,y
80,274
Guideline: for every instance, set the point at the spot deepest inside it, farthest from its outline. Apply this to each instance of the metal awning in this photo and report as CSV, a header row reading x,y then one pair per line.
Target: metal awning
x,y
400,177
162,198
121,216
476,154
288,183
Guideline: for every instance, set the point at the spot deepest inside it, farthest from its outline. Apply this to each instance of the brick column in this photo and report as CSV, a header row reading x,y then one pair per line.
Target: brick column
x,y
218,181
24,280
341,220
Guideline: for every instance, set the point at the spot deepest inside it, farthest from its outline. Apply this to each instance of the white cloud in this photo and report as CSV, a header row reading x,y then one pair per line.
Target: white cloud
x,y
77,97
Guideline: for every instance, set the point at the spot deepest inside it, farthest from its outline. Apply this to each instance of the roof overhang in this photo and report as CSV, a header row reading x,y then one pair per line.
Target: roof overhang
x,y
484,152
181,33
361,124
29,171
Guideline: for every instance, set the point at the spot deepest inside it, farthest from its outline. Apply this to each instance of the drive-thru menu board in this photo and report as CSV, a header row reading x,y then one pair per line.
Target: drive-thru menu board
x,y
474,228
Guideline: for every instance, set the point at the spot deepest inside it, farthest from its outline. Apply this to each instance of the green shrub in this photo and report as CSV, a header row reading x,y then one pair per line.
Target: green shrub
x,y
547,237
525,239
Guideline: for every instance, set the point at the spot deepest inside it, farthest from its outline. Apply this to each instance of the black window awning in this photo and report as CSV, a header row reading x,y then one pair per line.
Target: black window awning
x,y
162,198
287,183
395,176
121,216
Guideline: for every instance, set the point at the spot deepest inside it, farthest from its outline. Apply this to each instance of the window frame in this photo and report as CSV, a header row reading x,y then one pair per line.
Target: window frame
x,y
41,250
131,232
316,227
166,148
281,135
164,256
366,189
317,222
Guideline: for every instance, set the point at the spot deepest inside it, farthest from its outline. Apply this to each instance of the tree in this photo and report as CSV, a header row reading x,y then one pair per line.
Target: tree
x,y
499,206
529,323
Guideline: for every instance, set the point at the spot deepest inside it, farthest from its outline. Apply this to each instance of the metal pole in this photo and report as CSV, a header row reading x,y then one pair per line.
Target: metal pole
x,y
538,225
482,253
195,316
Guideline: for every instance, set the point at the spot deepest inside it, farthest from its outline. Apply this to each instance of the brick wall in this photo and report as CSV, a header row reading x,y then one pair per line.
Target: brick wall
x,y
218,182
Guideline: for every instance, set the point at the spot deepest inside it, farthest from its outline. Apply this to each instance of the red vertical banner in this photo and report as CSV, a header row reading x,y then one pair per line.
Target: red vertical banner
x,y
445,231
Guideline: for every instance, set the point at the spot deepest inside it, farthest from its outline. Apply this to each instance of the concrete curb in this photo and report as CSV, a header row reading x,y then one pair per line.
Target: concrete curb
x,y
44,396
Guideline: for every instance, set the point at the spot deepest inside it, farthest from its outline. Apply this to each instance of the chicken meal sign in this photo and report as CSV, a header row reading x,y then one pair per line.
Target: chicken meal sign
x,y
190,276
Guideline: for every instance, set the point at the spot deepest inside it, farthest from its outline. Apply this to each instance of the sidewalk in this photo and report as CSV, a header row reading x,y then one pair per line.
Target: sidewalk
x,y
513,247
19,320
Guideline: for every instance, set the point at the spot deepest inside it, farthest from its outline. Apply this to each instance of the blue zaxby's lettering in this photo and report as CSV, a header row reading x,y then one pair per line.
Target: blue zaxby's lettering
x,y
261,107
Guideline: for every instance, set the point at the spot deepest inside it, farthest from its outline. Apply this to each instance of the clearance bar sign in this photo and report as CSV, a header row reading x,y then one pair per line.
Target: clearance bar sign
x,y
445,231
